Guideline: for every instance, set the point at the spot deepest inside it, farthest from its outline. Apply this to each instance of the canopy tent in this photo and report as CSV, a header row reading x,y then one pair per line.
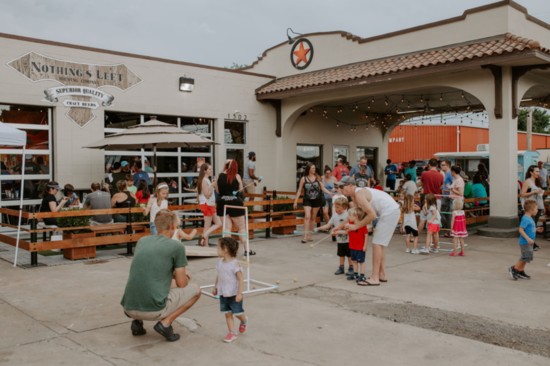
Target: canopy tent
x,y
11,136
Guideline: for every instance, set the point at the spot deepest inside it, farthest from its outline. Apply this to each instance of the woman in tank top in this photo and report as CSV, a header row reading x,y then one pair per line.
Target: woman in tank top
x,y
532,191
122,199
313,189
229,188
207,202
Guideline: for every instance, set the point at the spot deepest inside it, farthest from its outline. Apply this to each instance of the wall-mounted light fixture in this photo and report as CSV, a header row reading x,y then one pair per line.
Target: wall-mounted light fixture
x,y
292,39
186,84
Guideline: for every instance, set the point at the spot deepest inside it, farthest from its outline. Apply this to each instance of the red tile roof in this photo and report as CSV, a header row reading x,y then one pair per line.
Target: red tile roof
x,y
505,44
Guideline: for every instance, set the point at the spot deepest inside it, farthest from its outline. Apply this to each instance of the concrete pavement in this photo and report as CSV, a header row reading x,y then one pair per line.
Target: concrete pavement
x,y
435,310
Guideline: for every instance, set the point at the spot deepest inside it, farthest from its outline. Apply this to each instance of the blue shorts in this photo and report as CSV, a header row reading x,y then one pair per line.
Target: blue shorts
x,y
230,305
357,256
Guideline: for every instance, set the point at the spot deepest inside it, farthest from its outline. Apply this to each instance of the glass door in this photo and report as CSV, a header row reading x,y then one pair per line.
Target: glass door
x,y
308,154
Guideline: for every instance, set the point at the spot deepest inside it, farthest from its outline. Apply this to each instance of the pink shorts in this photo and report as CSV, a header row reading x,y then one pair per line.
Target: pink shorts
x,y
433,228
208,210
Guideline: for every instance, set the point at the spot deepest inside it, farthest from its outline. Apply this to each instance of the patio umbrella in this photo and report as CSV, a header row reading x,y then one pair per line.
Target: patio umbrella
x,y
152,134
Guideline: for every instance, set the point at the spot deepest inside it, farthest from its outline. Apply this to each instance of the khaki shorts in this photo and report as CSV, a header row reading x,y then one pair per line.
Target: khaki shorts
x,y
177,297
251,187
385,228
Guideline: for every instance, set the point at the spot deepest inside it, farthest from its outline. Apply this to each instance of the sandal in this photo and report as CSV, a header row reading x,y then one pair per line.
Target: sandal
x,y
304,241
367,283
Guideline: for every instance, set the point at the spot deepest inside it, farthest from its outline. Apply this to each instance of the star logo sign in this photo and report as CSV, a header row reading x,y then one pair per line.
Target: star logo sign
x,y
301,54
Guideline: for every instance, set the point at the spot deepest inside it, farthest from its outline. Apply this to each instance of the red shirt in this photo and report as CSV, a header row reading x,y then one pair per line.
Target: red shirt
x,y
140,199
357,238
338,170
432,180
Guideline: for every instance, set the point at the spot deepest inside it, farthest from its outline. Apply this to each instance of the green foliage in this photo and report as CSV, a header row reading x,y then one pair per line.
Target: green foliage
x,y
73,221
541,121
282,206
236,66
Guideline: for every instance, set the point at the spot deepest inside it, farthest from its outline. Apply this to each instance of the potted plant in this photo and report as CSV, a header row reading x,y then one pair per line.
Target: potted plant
x,y
76,221
283,207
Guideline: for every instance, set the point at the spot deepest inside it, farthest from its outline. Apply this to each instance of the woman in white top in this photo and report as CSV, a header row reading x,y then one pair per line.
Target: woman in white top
x,y
457,188
156,203
207,202
531,190
376,204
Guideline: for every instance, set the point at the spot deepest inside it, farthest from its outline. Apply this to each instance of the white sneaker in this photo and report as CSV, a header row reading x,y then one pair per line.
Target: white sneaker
x,y
424,251
407,250
415,251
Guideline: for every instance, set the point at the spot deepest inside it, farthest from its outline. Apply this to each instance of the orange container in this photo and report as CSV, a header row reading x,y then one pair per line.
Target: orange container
x,y
422,142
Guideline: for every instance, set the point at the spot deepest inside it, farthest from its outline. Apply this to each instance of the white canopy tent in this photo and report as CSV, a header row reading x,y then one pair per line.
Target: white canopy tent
x,y
11,136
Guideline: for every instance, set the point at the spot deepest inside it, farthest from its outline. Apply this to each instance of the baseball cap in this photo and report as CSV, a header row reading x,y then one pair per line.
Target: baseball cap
x,y
347,180
53,184
251,154
123,163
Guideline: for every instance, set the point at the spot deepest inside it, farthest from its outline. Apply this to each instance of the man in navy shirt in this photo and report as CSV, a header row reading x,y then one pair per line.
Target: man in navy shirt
x,y
390,171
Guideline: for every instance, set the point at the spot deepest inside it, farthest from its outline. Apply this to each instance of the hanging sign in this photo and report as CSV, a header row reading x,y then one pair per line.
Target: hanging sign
x,y
80,81
301,53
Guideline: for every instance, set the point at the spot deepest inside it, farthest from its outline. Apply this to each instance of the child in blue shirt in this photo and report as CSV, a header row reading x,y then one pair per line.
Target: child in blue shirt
x,y
527,233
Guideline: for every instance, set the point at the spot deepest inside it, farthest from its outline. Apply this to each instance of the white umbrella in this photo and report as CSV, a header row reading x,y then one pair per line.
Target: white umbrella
x,y
152,134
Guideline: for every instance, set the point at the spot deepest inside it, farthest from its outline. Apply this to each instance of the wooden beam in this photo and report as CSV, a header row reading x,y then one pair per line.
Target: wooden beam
x,y
497,75
278,123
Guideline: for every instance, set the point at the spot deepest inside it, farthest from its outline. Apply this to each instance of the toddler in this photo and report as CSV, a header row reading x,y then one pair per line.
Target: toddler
x,y
358,240
434,221
458,227
339,217
409,224
527,233
229,286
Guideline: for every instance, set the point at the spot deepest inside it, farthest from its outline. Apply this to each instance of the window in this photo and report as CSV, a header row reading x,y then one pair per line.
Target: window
x,y
339,150
177,166
234,133
235,137
36,122
371,153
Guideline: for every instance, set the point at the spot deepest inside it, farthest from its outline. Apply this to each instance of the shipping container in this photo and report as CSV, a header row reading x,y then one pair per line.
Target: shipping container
x,y
422,142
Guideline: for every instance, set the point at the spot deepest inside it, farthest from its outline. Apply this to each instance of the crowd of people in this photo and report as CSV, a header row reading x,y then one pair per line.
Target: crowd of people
x,y
350,199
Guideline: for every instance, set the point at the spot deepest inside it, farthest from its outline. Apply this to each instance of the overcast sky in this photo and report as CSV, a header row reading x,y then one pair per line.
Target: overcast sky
x,y
219,32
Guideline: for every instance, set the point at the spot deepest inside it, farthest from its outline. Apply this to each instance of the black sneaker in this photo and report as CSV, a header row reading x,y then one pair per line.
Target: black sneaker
x,y
513,273
535,247
523,275
333,238
352,276
339,271
360,278
137,328
350,270
166,332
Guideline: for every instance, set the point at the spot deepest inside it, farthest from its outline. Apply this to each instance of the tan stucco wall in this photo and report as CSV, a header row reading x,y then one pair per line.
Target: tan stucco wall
x,y
333,49
216,94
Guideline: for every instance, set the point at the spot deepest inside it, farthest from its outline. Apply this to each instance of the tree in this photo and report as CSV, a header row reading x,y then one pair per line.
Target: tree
x,y
236,66
541,120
